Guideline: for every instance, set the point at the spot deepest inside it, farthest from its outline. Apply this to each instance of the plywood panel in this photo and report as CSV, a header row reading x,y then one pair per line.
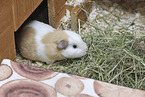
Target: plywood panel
x,y
59,5
22,9
7,46
56,10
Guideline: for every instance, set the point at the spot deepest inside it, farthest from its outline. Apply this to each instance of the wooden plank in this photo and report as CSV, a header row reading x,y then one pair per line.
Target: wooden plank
x,y
22,9
7,45
59,5
79,13
56,10
74,21
59,16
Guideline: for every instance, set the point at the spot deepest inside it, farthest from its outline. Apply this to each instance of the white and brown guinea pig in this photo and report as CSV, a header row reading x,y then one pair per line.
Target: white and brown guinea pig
x,y
41,42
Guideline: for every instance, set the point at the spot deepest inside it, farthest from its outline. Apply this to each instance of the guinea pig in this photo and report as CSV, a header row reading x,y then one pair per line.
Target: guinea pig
x,y
40,42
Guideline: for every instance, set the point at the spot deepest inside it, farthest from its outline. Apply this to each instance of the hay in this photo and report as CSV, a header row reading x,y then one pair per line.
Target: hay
x,y
116,41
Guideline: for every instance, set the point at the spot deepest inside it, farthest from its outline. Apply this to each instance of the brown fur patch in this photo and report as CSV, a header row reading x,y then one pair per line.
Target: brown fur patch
x,y
26,43
51,40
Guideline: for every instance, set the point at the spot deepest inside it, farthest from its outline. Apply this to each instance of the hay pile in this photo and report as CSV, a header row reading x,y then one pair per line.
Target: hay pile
x,y
116,40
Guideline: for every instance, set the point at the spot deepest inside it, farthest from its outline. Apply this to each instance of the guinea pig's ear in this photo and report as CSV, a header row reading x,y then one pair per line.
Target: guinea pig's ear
x,y
62,44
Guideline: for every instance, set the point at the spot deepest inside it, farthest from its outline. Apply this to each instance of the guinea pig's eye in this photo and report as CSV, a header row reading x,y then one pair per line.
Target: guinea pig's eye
x,y
74,46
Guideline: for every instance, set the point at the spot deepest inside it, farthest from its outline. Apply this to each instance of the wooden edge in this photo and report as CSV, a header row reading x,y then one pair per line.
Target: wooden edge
x,y
74,22
55,15
69,7
18,23
59,16
51,12
79,13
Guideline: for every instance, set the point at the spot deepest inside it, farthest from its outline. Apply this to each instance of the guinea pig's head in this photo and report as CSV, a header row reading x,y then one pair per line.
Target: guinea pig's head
x,y
75,47
62,44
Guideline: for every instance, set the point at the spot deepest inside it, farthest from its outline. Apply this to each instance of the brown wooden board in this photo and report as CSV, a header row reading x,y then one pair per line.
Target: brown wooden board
x,y
12,14
56,10
22,9
79,13
7,45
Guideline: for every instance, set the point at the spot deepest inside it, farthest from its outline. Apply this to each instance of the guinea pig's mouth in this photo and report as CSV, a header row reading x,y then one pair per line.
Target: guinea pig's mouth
x,y
83,53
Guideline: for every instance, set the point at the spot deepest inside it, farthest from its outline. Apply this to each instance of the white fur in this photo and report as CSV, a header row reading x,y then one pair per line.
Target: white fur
x,y
76,39
41,29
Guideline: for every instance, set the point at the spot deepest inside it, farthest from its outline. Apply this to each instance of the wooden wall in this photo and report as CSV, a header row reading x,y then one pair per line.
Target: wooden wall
x,y
12,15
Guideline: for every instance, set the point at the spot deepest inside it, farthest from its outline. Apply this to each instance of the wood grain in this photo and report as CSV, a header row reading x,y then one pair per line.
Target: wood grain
x,y
12,14
7,45
79,13
56,10
22,9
